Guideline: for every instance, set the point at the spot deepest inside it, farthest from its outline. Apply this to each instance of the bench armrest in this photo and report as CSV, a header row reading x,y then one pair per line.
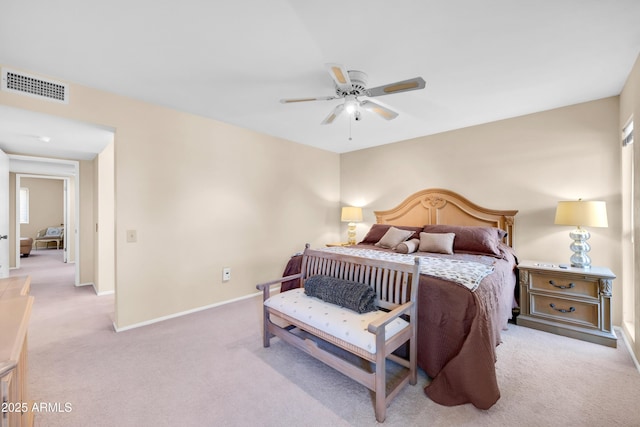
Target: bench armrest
x,y
261,286
390,316
266,286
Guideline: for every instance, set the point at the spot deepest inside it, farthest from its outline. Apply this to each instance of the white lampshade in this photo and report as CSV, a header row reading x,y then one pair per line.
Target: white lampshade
x,y
581,213
351,214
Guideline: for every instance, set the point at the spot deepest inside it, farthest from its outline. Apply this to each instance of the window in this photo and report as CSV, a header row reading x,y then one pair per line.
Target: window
x,y
24,206
627,134
630,249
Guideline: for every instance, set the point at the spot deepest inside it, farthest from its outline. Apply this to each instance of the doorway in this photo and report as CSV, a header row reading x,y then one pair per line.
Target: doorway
x,y
52,187
45,217
43,141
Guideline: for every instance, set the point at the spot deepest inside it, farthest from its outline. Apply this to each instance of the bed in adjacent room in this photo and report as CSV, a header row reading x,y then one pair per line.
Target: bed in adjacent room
x,y
465,297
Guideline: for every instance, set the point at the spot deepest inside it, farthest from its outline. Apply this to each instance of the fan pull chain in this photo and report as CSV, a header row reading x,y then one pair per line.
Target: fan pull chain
x,y
349,128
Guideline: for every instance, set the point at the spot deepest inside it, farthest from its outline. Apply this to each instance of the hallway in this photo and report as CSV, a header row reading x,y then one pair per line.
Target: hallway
x,y
62,314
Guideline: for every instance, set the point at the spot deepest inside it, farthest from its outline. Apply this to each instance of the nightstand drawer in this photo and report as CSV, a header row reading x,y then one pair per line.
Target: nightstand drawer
x,y
566,285
581,313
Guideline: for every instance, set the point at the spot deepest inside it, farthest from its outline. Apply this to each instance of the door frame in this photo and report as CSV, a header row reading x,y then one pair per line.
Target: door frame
x,y
47,168
5,247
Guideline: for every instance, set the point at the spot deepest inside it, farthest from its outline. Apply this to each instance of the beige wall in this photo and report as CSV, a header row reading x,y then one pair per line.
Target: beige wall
x,y
86,222
202,195
12,221
70,232
630,108
528,163
105,222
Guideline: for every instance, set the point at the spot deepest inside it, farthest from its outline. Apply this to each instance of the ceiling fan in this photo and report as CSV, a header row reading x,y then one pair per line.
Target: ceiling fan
x,y
352,85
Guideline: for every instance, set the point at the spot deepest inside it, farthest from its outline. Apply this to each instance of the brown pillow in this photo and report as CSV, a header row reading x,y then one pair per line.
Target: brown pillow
x,y
439,243
377,231
408,247
393,237
471,239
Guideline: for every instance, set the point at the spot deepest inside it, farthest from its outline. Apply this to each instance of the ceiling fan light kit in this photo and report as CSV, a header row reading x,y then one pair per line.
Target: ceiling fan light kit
x,y
351,84
350,104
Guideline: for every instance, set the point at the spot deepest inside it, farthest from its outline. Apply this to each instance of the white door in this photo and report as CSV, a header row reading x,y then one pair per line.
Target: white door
x,y
65,219
4,215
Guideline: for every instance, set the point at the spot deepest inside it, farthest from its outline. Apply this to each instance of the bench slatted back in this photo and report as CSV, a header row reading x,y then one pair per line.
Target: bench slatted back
x,y
394,283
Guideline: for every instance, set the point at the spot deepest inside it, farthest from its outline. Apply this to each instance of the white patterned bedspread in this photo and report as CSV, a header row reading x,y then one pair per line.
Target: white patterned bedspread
x,y
466,273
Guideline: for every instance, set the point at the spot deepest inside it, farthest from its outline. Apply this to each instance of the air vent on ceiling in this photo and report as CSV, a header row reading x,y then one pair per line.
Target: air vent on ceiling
x,y
37,87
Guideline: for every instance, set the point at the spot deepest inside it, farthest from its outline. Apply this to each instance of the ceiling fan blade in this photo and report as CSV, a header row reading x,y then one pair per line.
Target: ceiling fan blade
x,y
319,98
335,113
403,86
383,112
340,76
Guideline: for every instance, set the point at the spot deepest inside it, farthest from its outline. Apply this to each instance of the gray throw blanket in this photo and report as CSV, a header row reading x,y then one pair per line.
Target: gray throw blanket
x,y
352,295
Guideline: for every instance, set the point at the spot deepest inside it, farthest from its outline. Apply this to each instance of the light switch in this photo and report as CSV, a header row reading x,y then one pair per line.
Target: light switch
x,y
132,236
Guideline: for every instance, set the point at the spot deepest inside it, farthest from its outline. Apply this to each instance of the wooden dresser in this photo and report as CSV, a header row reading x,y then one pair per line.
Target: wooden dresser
x,y
15,310
568,301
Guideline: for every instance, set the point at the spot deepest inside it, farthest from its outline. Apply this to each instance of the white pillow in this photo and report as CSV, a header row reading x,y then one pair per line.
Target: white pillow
x,y
393,237
408,247
440,243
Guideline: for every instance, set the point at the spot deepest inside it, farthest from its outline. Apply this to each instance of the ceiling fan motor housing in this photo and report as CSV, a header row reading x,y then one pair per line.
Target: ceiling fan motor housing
x,y
358,83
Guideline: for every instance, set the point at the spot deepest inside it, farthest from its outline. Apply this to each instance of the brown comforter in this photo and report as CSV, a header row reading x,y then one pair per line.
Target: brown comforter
x,y
458,330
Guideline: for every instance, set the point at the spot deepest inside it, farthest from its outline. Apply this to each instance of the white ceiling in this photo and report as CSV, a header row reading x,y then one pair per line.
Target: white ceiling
x,y
36,134
232,61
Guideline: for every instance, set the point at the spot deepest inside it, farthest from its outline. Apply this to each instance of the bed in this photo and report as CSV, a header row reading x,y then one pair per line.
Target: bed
x,y
458,326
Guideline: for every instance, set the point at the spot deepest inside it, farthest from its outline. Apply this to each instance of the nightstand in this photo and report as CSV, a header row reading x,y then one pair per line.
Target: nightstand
x,y
331,245
567,301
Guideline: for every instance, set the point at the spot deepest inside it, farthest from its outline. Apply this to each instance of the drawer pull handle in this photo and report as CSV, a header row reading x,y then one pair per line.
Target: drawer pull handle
x,y
562,310
571,285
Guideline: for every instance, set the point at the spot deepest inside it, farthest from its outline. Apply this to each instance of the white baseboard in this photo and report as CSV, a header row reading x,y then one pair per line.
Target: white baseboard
x,y
183,313
96,289
627,342
99,293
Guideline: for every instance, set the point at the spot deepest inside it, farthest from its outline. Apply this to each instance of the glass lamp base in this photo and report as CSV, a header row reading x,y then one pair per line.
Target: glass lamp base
x,y
580,247
351,233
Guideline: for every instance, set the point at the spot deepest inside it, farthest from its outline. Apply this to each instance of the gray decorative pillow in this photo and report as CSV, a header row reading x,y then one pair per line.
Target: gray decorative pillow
x,y
352,295
408,247
53,232
393,237
440,243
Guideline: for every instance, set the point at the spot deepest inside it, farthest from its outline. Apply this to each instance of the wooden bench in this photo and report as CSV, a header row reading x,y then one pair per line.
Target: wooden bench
x,y
393,325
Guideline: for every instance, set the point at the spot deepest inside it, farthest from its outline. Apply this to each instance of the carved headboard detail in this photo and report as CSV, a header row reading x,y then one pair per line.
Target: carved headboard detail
x,y
438,206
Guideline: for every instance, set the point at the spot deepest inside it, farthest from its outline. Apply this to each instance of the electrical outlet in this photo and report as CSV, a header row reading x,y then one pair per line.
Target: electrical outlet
x,y
226,274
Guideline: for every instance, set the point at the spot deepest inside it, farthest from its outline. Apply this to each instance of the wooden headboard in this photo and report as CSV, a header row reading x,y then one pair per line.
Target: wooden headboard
x,y
438,206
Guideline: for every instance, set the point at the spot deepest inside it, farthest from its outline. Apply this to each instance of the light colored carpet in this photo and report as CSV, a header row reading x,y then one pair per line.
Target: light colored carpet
x,y
210,369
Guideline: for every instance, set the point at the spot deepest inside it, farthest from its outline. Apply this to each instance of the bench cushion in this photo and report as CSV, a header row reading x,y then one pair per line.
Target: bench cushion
x,y
332,319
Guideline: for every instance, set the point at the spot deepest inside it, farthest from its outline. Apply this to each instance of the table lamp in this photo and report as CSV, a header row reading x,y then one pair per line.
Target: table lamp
x,y
351,215
581,213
